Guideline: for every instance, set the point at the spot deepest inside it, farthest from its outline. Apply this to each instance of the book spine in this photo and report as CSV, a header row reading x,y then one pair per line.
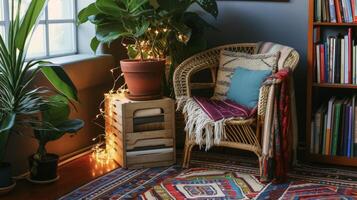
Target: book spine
x,y
354,12
338,60
346,60
330,60
318,67
349,11
353,64
332,11
336,128
329,126
345,131
344,10
355,133
349,142
349,56
322,62
338,11
342,61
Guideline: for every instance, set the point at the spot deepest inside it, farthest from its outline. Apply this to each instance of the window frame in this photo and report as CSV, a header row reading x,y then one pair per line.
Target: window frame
x,y
46,22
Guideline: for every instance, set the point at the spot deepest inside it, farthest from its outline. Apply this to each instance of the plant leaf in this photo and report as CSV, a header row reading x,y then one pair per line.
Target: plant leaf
x,y
70,126
8,122
60,80
110,31
94,43
29,21
84,14
56,111
110,7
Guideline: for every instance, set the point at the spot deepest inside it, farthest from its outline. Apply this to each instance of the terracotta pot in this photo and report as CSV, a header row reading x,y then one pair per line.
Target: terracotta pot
x,y
143,78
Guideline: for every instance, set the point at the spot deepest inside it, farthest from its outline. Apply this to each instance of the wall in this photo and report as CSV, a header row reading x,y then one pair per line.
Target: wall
x,y
281,22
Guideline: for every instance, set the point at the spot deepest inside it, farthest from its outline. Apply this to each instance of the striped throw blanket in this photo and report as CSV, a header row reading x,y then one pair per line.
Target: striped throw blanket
x,y
205,118
277,134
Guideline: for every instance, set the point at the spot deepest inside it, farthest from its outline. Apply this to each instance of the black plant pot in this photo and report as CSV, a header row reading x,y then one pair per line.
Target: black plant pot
x,y
5,175
44,169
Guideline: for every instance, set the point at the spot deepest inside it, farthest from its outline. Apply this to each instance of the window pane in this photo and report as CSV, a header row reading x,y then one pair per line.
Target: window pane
x,y
1,10
24,6
37,46
60,9
61,38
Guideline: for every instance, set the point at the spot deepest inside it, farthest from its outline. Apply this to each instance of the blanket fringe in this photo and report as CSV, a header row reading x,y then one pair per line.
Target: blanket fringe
x,y
200,127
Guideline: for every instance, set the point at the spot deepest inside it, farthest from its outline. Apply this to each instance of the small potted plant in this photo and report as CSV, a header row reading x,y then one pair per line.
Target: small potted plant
x,y
19,102
55,124
152,31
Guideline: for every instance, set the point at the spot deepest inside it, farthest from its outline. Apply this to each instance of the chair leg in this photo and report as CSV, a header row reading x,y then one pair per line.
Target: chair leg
x,y
185,155
188,158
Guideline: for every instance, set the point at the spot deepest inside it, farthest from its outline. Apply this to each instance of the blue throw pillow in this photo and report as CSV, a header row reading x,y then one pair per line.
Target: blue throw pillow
x,y
245,85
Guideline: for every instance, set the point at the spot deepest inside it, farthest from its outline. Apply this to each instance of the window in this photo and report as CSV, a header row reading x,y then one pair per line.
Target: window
x,y
56,34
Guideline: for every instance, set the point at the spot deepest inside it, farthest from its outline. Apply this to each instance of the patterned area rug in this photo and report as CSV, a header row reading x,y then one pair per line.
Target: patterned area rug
x,y
217,177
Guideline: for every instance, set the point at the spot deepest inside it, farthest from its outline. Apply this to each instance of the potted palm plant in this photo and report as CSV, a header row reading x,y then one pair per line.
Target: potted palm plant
x,y
19,102
55,124
152,31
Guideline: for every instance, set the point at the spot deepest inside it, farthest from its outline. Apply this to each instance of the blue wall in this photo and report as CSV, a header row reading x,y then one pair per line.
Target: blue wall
x,y
281,22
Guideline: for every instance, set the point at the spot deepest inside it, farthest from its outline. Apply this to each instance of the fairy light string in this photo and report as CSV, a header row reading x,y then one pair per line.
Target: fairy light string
x,y
154,45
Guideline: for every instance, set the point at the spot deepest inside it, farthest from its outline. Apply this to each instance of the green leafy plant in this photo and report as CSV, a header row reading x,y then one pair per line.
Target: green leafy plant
x,y
20,104
55,124
151,28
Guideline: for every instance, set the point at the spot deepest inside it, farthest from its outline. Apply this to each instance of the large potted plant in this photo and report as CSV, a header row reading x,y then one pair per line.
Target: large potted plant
x,y
152,31
55,124
19,102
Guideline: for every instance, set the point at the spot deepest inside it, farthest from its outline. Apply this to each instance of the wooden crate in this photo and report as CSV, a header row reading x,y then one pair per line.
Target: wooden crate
x,y
144,148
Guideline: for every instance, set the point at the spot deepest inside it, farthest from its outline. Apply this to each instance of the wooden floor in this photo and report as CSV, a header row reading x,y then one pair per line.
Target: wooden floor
x,y
72,175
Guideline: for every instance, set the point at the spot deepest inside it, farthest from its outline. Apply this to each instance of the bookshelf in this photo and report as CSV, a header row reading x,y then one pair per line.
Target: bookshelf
x,y
321,92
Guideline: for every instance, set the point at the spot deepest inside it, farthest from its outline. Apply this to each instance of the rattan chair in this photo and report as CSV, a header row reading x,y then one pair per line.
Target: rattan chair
x,y
240,134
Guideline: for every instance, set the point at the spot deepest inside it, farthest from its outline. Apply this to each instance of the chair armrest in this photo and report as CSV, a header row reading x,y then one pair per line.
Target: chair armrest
x,y
264,98
183,73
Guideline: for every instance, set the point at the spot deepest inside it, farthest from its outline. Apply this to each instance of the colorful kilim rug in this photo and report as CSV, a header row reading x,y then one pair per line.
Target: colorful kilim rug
x,y
216,177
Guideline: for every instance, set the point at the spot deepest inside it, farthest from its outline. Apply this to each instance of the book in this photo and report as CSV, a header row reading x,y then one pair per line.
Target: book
x,y
319,126
323,142
332,11
355,134
354,10
346,66
318,67
346,129
336,127
344,10
342,61
353,63
348,10
318,10
329,126
353,104
338,11
322,63
349,56
330,59
338,59
349,140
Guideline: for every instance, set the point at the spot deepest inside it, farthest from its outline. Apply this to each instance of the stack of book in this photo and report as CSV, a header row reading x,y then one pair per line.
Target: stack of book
x,y
336,59
336,11
334,128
